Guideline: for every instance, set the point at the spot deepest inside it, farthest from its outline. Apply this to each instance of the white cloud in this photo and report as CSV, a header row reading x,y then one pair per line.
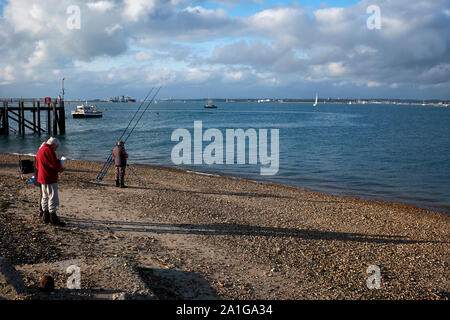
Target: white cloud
x,y
143,55
136,9
196,75
373,84
287,45
268,79
160,77
6,75
337,69
233,76
101,6
113,28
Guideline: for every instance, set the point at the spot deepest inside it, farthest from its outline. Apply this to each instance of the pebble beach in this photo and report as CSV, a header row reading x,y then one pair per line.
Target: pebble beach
x,y
190,236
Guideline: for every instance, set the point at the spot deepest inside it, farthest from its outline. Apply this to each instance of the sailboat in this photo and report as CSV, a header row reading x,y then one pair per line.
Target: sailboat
x,y
210,105
315,103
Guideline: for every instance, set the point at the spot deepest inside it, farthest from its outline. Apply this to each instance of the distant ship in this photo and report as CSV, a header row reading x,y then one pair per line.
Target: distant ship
x,y
122,99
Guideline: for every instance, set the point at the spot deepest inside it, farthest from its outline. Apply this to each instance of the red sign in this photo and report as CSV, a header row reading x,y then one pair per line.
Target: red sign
x,y
47,100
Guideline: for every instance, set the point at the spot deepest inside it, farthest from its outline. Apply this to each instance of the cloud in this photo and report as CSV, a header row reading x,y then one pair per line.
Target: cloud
x,y
135,9
110,30
143,55
233,76
101,6
6,74
284,46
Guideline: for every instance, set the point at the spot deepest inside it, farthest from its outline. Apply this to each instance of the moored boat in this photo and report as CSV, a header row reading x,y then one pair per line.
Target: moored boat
x,y
86,111
210,105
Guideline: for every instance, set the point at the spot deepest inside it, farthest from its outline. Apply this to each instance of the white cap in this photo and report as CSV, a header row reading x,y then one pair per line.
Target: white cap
x,y
53,140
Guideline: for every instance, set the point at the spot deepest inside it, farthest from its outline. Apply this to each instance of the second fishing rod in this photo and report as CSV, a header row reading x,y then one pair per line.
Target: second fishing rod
x,y
124,131
105,167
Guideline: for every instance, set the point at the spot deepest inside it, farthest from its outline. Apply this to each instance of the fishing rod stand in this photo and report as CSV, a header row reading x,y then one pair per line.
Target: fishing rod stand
x,y
142,182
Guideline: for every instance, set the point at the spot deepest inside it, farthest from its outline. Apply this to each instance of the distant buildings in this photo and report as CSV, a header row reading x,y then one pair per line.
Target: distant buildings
x,y
121,99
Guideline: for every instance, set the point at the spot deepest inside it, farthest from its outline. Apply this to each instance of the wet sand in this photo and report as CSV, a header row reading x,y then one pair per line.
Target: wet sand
x,y
192,236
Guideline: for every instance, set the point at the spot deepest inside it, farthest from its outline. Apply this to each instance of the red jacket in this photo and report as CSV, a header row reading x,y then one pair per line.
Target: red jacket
x,y
47,165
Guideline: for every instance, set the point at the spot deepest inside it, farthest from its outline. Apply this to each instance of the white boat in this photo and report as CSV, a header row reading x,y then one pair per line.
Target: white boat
x,y
86,111
315,103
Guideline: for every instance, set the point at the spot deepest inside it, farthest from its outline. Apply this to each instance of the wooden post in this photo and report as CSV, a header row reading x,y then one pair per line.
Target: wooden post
x,y
62,117
23,118
5,110
19,123
5,118
48,120
39,116
55,119
1,119
19,117
34,117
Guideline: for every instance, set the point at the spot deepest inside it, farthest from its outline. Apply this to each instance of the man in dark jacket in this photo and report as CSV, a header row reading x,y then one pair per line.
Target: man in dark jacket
x,y
120,160
48,166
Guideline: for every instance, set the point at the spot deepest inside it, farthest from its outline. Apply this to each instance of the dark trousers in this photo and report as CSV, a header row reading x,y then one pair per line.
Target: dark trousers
x,y
120,173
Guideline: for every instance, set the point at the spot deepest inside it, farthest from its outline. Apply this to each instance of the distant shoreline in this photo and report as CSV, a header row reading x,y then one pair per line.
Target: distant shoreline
x,y
355,101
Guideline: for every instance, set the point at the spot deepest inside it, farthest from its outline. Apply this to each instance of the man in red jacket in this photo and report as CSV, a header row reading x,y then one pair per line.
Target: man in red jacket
x,y
48,167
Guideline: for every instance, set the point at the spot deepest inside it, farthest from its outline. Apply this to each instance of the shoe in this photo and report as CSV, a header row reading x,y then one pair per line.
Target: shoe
x,y
46,217
122,184
55,220
117,183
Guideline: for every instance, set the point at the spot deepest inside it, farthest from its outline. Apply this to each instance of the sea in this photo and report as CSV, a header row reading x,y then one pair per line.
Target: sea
x,y
398,153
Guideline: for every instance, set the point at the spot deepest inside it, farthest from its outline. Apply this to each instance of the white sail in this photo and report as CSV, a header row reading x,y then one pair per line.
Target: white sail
x,y
315,103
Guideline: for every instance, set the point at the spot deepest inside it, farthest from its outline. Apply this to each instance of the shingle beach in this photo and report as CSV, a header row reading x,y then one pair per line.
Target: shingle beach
x,y
190,236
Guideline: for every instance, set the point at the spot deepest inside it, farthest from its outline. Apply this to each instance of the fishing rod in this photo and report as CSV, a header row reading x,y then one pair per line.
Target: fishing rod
x,y
129,134
106,167
137,111
106,163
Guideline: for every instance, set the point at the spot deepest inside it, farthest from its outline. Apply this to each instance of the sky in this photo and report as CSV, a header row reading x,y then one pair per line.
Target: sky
x,y
226,48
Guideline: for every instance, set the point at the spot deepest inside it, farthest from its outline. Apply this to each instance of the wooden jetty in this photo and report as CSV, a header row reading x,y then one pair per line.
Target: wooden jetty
x,y
33,108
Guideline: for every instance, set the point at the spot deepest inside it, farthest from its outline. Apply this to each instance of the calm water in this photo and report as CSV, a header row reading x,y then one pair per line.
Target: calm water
x,y
396,153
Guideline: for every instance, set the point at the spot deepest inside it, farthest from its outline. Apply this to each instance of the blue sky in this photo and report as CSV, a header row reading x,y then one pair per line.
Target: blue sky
x,y
227,48
247,8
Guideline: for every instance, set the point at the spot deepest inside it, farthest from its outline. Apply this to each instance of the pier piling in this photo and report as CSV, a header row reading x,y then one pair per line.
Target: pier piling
x,y
55,117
